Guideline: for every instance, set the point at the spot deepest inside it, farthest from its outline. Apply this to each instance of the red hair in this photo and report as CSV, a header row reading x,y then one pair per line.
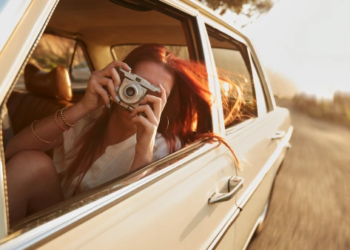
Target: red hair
x,y
185,116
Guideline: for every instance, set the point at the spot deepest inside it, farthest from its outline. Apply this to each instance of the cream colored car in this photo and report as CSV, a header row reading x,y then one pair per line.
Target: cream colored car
x,y
195,198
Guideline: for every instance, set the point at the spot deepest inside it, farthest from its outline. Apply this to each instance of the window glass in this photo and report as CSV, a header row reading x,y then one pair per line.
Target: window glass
x,y
50,52
233,68
53,51
120,51
80,71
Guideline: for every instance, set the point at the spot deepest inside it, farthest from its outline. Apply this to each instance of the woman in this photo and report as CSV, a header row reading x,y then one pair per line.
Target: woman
x,y
102,143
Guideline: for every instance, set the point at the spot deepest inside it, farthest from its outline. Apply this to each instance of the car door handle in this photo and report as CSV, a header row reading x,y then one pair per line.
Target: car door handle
x,y
278,135
234,184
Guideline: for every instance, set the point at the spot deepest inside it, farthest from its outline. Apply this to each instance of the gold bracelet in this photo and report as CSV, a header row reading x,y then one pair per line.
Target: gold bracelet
x,y
47,142
58,123
64,119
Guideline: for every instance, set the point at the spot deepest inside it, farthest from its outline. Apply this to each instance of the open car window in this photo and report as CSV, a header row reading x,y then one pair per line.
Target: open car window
x,y
234,70
29,102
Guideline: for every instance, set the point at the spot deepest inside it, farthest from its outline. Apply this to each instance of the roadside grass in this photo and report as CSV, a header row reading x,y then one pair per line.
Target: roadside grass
x,y
336,110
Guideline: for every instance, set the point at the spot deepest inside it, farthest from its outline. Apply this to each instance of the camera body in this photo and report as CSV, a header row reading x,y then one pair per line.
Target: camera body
x,y
132,90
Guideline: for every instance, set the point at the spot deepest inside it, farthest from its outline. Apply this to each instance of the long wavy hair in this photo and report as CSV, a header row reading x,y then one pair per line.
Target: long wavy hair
x,y
185,116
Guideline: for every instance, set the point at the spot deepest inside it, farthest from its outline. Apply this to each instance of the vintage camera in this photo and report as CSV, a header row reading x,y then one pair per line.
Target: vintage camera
x,y
132,90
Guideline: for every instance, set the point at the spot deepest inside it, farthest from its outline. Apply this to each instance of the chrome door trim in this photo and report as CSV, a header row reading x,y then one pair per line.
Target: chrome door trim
x,y
224,230
110,195
214,86
182,7
266,168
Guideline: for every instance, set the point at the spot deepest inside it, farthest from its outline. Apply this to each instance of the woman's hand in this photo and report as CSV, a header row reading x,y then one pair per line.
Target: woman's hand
x,y
95,95
147,127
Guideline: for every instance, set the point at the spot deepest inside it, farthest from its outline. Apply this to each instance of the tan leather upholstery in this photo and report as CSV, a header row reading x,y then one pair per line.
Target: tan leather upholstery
x,y
54,84
48,93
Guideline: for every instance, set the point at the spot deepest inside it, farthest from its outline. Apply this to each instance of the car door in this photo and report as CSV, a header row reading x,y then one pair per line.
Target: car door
x,y
162,206
256,138
271,132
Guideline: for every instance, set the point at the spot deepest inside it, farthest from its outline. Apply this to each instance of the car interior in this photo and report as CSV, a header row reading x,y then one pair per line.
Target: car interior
x,y
82,37
78,40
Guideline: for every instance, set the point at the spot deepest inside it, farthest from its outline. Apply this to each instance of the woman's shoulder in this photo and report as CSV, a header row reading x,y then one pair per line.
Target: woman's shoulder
x,y
161,147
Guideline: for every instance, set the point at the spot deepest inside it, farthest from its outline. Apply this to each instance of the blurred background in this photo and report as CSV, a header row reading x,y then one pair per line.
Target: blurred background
x,y
304,46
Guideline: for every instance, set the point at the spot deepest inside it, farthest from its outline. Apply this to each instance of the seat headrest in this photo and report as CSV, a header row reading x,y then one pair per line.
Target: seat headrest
x,y
54,84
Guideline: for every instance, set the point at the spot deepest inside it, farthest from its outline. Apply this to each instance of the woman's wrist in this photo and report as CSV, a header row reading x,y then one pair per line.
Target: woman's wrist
x,y
68,117
75,113
141,160
81,109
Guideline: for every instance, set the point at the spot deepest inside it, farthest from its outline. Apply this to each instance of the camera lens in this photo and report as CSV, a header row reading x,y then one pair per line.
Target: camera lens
x,y
130,91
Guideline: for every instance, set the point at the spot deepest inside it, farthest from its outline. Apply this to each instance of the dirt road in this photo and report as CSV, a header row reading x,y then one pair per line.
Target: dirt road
x,y
310,207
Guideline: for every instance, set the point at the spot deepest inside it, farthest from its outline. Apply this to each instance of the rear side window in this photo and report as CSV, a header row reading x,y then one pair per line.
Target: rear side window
x,y
52,51
233,67
79,69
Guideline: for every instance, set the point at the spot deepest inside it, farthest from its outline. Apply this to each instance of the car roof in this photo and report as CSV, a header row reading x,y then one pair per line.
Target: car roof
x,y
91,21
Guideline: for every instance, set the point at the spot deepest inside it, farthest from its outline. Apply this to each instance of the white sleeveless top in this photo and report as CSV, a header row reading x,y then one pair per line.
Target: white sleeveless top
x,y
114,162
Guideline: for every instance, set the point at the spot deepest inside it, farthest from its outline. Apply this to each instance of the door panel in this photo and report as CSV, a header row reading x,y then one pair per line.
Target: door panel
x,y
264,158
172,213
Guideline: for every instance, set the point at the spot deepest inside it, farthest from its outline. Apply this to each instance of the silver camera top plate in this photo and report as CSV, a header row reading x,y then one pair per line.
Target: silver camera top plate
x,y
143,82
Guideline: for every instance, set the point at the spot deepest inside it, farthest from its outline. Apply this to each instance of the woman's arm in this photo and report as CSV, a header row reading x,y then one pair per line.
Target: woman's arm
x,y
95,96
46,129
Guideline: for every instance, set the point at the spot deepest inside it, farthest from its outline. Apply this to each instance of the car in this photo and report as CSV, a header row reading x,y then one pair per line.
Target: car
x,y
195,198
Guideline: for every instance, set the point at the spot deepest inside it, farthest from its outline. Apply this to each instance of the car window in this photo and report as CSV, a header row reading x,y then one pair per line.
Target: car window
x,y
52,51
158,26
80,71
233,68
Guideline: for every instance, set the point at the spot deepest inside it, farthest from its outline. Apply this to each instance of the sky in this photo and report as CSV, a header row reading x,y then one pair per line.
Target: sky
x,y
308,43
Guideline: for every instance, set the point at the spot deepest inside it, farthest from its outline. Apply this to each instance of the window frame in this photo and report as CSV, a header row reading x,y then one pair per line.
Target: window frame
x,y
235,35
265,85
37,231
261,101
78,43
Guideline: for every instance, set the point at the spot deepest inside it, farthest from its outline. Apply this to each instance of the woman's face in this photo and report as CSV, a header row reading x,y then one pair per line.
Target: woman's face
x,y
155,74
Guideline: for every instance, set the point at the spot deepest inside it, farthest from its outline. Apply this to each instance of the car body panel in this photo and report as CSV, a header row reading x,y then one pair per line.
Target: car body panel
x,y
183,218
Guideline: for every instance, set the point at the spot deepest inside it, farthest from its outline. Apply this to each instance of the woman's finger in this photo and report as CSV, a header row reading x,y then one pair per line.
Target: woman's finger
x,y
102,93
107,82
163,95
144,122
157,104
148,111
115,76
